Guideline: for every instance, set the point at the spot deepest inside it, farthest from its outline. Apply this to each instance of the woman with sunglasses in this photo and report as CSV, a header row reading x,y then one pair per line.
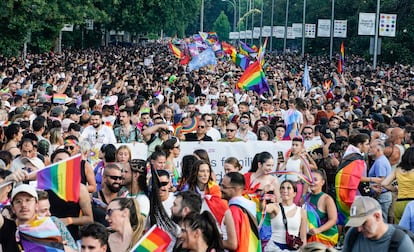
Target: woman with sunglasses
x,y
171,148
298,166
199,233
295,216
126,222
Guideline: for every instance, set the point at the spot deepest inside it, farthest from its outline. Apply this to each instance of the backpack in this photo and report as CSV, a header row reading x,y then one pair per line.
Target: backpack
x,y
396,237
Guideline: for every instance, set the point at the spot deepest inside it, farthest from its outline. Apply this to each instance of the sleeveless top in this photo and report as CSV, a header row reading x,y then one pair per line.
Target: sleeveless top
x,y
405,182
278,228
313,199
294,166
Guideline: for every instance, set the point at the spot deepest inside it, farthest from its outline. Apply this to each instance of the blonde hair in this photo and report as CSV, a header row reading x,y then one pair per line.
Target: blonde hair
x,y
123,147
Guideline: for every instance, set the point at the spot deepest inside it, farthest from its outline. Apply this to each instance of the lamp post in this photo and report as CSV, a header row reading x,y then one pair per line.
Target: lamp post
x,y
332,29
286,23
202,16
376,34
303,28
261,21
271,25
233,3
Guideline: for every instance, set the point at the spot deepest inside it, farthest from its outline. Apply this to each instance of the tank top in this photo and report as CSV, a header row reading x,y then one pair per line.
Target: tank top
x,y
278,228
405,182
294,166
313,199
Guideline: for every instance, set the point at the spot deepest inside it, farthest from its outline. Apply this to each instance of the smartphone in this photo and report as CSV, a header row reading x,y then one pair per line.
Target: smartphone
x,y
280,157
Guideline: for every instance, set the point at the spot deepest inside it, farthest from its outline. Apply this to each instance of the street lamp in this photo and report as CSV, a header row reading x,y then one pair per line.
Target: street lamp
x,y
332,29
233,3
202,16
286,23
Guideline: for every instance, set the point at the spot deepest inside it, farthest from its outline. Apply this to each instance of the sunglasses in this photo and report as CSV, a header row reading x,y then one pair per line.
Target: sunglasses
x,y
116,177
307,133
209,120
176,147
230,130
70,147
110,211
164,183
244,122
201,126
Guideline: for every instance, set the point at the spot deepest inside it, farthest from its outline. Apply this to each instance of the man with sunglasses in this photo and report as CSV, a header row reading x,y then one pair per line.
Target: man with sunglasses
x,y
231,130
111,186
307,133
200,134
244,131
210,130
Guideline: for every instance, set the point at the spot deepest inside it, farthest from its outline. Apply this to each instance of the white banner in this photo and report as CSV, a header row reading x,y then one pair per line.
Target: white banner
x,y
279,31
89,24
388,25
266,31
297,30
310,30
243,151
242,34
366,24
234,35
340,27
249,34
324,28
256,32
290,34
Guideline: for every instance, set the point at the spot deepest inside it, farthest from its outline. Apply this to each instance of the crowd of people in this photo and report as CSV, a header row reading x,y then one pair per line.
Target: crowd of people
x,y
346,193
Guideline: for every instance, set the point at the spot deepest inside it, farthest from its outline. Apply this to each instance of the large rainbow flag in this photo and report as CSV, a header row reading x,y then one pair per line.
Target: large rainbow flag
x,y
347,181
246,230
328,237
154,240
175,50
63,178
40,235
254,79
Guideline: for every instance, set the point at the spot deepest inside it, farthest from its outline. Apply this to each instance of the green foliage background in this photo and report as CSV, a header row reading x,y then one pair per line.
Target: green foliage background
x,y
39,22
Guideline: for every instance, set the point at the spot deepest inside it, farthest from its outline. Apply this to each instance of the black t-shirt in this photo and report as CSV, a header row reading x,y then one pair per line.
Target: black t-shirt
x,y
192,137
8,236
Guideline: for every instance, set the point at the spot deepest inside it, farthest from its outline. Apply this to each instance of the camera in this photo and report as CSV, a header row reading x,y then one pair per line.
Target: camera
x,y
325,131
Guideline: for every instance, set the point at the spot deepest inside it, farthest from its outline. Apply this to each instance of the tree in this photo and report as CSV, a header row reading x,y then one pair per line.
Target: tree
x,y
222,26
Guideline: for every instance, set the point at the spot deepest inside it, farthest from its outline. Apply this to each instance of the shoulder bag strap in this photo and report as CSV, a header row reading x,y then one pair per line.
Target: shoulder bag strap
x,y
284,216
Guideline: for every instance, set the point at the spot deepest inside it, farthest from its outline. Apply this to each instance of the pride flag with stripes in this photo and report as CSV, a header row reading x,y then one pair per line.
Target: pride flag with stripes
x,y
341,62
175,50
254,79
154,240
59,98
63,178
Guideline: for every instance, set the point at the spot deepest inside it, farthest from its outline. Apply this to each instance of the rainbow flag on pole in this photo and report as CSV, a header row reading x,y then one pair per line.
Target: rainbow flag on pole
x,y
341,62
175,50
63,178
254,79
154,240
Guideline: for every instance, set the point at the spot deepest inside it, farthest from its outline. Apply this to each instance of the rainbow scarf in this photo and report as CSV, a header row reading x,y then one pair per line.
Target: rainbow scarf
x,y
328,237
154,240
347,181
254,79
246,230
214,201
40,235
63,178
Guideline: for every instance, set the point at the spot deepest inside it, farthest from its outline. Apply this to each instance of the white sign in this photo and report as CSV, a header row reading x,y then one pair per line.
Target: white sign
x,y
340,27
366,24
266,31
256,32
279,31
324,28
249,34
387,25
243,151
297,30
242,34
234,35
67,27
290,34
310,30
89,24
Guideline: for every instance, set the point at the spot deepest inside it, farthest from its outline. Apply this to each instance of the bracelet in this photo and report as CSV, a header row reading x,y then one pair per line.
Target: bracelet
x,y
70,221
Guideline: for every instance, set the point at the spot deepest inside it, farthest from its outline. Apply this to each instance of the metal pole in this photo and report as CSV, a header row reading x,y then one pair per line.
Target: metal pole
x,y
202,16
234,15
332,30
376,34
271,25
252,8
286,22
261,21
238,25
246,20
303,28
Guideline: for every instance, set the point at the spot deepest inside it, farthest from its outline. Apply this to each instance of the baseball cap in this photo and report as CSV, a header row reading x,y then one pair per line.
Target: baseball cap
x,y
361,209
36,162
24,188
72,111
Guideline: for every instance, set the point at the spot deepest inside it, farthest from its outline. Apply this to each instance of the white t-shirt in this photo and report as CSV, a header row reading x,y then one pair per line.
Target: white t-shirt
x,y
105,135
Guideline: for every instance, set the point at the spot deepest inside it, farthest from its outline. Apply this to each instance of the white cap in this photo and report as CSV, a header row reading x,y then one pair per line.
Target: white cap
x,y
36,162
24,188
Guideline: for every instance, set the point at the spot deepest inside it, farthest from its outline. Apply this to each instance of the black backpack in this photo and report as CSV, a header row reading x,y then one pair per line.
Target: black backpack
x,y
396,237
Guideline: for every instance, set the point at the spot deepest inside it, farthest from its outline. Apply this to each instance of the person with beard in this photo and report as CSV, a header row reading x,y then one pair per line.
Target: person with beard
x,y
97,133
127,132
111,185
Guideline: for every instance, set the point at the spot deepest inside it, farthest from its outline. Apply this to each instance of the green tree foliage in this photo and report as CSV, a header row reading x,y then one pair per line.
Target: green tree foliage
x,y
222,26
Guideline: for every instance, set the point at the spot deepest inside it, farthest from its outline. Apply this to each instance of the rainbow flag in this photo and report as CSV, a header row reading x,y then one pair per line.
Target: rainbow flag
x,y
241,60
154,240
260,54
246,230
328,237
228,48
63,178
40,235
59,98
254,79
341,62
187,129
347,181
175,50
246,49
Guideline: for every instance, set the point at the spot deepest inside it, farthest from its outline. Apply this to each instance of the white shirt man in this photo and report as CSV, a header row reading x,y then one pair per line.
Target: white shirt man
x,y
98,133
211,131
